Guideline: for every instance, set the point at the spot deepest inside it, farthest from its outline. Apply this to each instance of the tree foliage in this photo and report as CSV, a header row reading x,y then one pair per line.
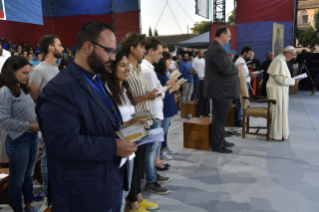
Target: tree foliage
x,y
201,27
308,38
231,18
155,32
150,34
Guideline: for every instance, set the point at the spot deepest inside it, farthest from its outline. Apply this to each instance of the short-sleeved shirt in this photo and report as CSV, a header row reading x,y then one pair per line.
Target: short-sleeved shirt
x,y
42,74
139,87
244,69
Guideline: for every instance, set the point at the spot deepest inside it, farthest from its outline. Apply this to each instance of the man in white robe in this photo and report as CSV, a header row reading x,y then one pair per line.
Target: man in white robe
x,y
278,89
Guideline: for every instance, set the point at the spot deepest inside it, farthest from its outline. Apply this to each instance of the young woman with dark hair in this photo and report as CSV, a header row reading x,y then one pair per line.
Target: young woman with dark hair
x,y
18,119
170,110
117,83
65,61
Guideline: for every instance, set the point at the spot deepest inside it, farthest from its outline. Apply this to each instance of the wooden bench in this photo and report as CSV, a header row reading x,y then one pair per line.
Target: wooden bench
x,y
4,163
197,133
4,187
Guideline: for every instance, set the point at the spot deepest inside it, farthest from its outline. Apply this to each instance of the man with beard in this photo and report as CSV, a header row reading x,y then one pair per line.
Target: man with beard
x,y
42,74
78,119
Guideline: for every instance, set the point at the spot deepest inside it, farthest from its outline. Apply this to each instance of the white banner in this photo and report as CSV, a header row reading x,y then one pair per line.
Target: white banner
x,y
202,8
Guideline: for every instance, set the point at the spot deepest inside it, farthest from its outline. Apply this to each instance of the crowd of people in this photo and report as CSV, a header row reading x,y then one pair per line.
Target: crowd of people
x,y
80,101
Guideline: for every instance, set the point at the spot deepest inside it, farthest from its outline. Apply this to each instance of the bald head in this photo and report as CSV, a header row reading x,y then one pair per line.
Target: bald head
x,y
200,54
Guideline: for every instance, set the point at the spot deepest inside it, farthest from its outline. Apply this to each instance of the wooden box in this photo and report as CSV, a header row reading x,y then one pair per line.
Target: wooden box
x,y
230,121
294,89
188,108
197,133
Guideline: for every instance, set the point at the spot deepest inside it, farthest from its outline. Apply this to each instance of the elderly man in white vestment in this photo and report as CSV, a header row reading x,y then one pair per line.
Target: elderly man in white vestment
x,y
278,89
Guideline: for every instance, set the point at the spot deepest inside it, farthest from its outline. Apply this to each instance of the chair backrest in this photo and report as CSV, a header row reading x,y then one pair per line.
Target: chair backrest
x,y
243,90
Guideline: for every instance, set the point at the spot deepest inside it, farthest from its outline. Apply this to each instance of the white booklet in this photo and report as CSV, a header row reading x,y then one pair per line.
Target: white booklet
x,y
181,81
301,76
175,74
259,72
154,136
163,89
133,133
145,115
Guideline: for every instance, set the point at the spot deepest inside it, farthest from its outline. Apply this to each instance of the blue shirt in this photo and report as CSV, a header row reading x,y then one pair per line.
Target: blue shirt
x,y
35,63
185,68
37,49
169,103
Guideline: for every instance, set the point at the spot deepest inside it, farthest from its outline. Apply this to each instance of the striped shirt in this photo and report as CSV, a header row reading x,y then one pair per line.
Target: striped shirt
x,y
16,113
139,87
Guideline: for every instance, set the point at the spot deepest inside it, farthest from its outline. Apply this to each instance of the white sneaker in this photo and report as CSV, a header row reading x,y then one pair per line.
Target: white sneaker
x,y
165,156
170,151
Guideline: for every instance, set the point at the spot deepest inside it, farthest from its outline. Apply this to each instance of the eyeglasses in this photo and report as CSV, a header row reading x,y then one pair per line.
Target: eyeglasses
x,y
110,51
293,56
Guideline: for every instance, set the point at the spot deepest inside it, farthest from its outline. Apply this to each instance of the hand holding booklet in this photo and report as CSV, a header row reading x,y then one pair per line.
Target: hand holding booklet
x,y
181,81
301,76
133,133
136,136
163,89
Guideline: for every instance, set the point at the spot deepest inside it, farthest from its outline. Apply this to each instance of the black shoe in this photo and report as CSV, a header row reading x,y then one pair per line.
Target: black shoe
x,y
228,144
222,150
165,168
167,165
239,124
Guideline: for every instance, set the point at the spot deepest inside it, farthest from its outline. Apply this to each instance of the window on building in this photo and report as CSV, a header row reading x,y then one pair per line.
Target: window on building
x,y
305,19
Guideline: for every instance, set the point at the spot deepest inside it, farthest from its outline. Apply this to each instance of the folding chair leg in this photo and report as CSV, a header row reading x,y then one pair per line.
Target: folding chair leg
x,y
243,127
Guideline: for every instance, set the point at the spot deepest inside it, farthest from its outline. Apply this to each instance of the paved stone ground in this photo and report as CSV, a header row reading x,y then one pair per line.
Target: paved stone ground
x,y
259,176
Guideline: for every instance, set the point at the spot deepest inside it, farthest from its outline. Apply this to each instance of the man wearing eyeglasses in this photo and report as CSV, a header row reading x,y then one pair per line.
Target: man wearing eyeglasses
x,y
278,89
78,119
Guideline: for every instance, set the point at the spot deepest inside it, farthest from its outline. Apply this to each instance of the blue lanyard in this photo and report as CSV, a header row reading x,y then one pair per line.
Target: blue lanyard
x,y
103,96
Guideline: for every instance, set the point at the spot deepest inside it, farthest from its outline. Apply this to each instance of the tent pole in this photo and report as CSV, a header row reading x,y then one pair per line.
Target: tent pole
x,y
294,29
112,13
51,7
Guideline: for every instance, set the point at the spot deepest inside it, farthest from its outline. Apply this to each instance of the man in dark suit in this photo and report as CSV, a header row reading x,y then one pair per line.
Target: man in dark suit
x,y
222,85
78,118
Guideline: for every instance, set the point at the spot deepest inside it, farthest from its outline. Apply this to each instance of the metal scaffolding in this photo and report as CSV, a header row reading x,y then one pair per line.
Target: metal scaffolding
x,y
219,7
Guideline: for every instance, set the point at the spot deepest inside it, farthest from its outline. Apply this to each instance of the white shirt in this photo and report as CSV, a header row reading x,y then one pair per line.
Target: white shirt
x,y
244,69
153,82
127,109
199,66
193,63
173,65
4,57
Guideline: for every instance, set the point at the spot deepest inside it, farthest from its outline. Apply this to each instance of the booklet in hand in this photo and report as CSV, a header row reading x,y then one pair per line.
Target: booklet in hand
x,y
146,115
259,72
175,74
163,89
133,133
181,81
301,76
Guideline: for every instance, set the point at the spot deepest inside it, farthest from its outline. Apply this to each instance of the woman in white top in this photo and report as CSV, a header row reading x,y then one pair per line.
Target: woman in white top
x,y
117,83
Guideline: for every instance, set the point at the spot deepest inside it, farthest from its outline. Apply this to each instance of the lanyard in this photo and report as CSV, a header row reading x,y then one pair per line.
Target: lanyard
x,y
103,96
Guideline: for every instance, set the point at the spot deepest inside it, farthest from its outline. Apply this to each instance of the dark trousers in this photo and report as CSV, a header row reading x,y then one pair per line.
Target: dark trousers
x,y
220,112
238,110
137,174
202,102
196,86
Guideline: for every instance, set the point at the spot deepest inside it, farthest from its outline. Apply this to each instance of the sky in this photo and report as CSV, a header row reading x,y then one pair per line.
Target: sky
x,y
151,11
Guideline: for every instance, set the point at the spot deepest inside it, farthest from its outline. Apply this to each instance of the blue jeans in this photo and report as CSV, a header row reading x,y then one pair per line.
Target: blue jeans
x,y
129,175
196,86
23,154
44,169
150,156
165,125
